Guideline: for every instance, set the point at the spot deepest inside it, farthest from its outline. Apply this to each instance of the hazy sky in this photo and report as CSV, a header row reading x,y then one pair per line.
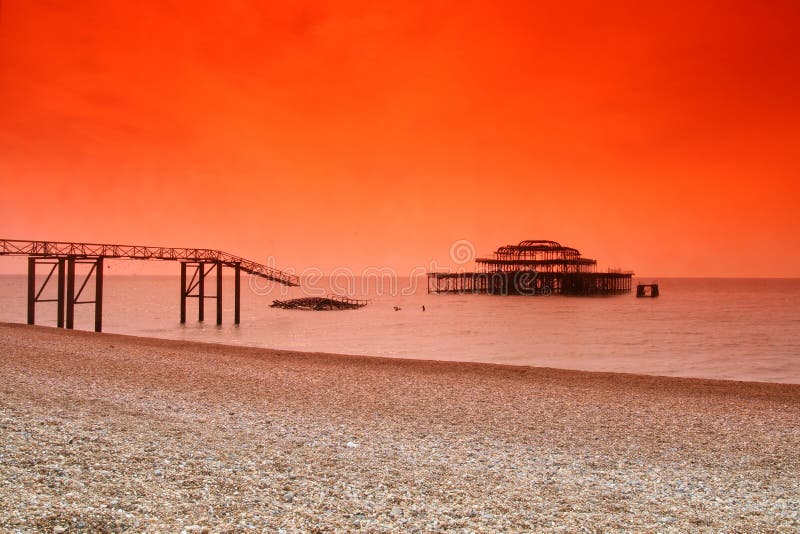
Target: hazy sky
x,y
662,139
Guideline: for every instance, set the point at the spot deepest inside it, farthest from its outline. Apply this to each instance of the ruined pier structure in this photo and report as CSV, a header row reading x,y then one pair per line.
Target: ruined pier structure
x,y
61,259
533,267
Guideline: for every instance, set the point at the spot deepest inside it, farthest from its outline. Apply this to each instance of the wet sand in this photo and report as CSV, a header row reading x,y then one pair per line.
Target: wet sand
x,y
117,433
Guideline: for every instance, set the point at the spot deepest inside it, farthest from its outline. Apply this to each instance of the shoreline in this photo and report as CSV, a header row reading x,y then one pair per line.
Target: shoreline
x,y
113,432
476,366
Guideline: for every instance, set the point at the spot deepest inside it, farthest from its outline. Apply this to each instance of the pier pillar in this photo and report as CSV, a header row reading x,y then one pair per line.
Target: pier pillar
x,y
31,289
201,289
219,293
236,294
183,292
62,264
70,301
98,295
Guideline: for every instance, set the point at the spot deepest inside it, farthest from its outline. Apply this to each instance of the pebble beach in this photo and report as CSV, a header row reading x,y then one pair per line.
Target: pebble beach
x,y
112,433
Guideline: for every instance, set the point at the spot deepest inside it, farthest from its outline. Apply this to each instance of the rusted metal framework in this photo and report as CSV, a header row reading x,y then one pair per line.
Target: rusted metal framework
x,y
537,255
50,249
331,302
62,257
533,267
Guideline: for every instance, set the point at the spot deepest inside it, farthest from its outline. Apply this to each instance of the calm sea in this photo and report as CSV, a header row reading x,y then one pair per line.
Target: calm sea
x,y
743,329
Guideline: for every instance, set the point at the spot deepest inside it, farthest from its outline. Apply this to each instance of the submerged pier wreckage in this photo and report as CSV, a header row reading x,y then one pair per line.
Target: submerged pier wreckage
x,y
533,267
331,302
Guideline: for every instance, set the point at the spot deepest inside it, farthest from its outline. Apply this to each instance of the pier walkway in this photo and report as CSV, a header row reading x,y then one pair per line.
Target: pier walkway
x,y
62,258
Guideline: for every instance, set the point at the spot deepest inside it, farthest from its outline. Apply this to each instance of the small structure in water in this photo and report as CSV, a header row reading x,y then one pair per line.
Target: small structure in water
x,y
331,302
534,267
647,290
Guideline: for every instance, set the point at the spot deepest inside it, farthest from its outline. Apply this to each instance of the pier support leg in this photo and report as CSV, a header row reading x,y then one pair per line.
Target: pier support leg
x,y
236,294
219,293
70,292
31,289
98,296
183,292
201,289
62,264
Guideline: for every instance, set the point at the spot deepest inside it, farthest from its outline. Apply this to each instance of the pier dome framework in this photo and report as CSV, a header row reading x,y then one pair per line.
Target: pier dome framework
x,y
537,255
533,267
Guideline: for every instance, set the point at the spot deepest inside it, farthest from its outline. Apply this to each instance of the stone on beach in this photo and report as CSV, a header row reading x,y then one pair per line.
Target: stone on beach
x,y
174,436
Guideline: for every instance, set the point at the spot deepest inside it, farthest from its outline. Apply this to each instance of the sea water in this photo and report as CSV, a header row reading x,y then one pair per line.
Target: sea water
x,y
741,329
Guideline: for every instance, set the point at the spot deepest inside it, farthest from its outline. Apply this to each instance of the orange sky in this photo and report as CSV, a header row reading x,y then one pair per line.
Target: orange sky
x,y
663,139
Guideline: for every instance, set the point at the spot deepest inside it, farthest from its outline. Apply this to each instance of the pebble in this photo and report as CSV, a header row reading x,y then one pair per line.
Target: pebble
x,y
451,447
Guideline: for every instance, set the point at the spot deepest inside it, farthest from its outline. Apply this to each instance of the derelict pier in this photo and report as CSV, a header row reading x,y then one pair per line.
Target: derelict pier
x,y
533,267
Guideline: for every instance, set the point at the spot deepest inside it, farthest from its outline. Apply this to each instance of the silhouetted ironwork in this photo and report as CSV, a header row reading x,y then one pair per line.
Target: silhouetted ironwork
x,y
533,267
52,249
62,257
332,302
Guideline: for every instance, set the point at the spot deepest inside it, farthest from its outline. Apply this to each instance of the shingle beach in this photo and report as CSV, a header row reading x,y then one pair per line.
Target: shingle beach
x,y
104,432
